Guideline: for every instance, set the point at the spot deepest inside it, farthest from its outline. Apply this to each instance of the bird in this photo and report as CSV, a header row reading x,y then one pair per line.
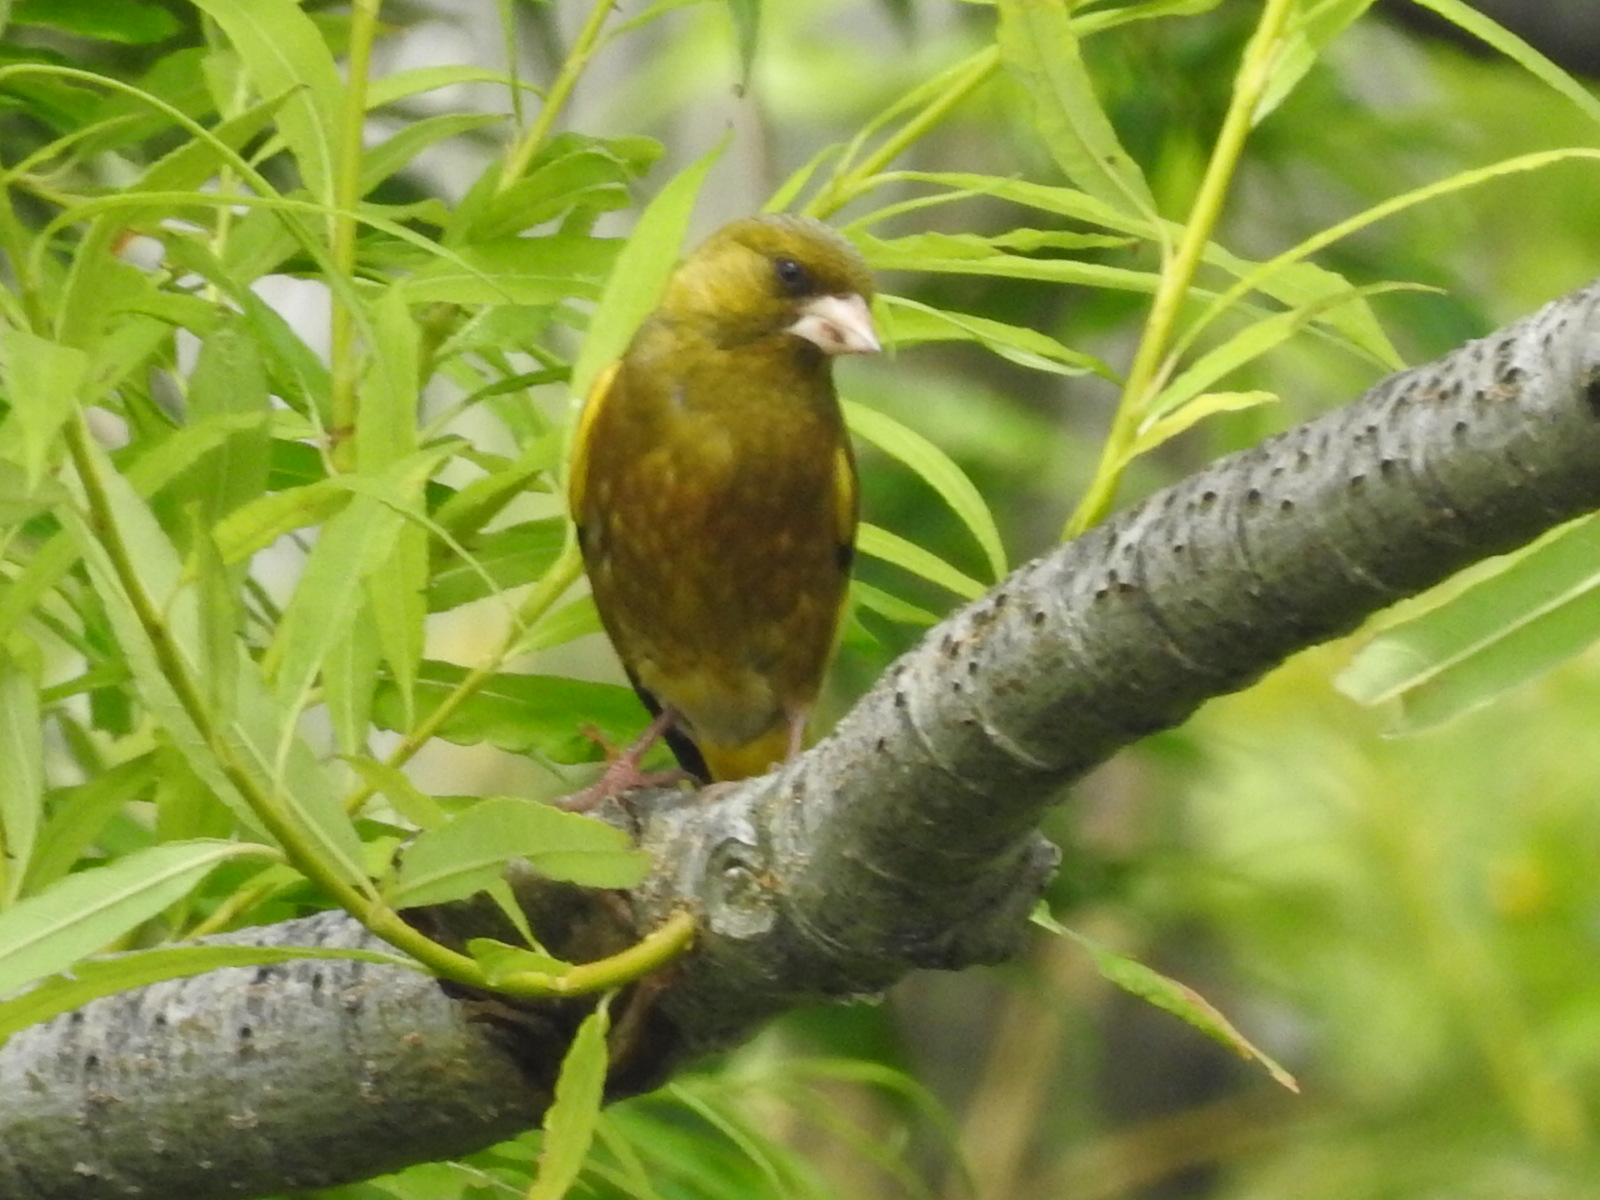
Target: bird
x,y
714,493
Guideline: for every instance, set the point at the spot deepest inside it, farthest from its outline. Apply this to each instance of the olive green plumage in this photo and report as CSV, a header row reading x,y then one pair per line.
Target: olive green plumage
x,y
715,493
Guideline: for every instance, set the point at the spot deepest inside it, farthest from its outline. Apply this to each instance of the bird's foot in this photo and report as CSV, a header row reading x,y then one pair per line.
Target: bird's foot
x,y
620,776
622,772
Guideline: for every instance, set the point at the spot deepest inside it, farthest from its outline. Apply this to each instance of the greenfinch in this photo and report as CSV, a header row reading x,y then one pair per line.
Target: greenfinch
x,y
714,492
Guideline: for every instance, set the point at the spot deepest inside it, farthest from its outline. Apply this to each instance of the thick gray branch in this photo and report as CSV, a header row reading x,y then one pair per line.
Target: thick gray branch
x,y
245,1082
906,839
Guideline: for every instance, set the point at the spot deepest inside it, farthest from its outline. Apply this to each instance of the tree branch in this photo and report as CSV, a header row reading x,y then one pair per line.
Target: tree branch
x,y
906,839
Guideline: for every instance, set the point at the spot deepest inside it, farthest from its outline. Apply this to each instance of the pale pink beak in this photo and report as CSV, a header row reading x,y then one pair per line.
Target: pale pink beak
x,y
838,325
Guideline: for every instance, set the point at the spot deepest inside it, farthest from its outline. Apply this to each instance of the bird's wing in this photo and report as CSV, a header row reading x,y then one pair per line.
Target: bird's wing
x,y
846,502
578,469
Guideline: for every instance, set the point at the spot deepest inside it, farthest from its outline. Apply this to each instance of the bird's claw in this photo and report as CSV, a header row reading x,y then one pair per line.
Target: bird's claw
x,y
621,775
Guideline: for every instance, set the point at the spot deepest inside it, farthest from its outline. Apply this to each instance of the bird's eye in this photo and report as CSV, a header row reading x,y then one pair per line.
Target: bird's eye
x,y
796,280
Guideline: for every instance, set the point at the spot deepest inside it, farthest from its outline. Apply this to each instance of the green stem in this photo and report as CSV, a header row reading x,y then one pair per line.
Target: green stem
x,y
650,953
233,906
851,183
563,573
228,182
1151,362
297,846
346,196
576,62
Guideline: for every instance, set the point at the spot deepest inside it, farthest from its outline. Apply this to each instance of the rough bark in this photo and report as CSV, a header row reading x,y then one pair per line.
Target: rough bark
x,y
906,839
247,1081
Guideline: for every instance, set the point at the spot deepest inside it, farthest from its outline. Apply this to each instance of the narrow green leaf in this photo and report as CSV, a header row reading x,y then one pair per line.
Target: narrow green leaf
x,y
1250,343
1329,299
500,960
123,972
570,1124
573,173
641,271
499,890
1145,10
327,598
263,521
221,617
79,815
229,386
349,680
772,1175
402,85
1296,284
43,571
896,550
386,418
1178,999
746,16
46,933
1064,201
527,271
784,196
42,379
416,806
396,152
1538,609
1186,1004
903,254
980,246
195,160
475,504
21,774
503,558
565,624
939,471
21,500
396,598
1304,44
911,323
264,742
1467,18
158,579
462,857
1040,50
286,54
1263,275
128,22
386,434
259,742
256,525
1165,428
889,606
154,466
522,714
185,807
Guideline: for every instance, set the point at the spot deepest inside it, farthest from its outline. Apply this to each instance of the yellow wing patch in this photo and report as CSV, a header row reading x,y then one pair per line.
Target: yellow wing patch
x,y
846,502
578,464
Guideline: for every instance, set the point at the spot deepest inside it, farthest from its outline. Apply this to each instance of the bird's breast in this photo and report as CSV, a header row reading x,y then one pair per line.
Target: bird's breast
x,y
712,523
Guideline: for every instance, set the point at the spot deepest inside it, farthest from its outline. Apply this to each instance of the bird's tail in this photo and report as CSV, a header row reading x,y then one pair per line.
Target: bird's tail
x,y
747,759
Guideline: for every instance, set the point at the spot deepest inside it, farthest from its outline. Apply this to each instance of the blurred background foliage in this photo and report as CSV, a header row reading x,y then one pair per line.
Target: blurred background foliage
x,y
1412,925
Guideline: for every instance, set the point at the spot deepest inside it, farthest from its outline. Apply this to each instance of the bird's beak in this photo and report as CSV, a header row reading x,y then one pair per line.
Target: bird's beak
x,y
838,325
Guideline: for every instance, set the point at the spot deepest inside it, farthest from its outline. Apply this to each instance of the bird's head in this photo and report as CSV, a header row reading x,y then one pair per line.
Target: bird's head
x,y
776,274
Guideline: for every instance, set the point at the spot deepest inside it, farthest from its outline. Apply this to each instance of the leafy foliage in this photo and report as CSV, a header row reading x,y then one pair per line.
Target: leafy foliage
x,y
285,413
